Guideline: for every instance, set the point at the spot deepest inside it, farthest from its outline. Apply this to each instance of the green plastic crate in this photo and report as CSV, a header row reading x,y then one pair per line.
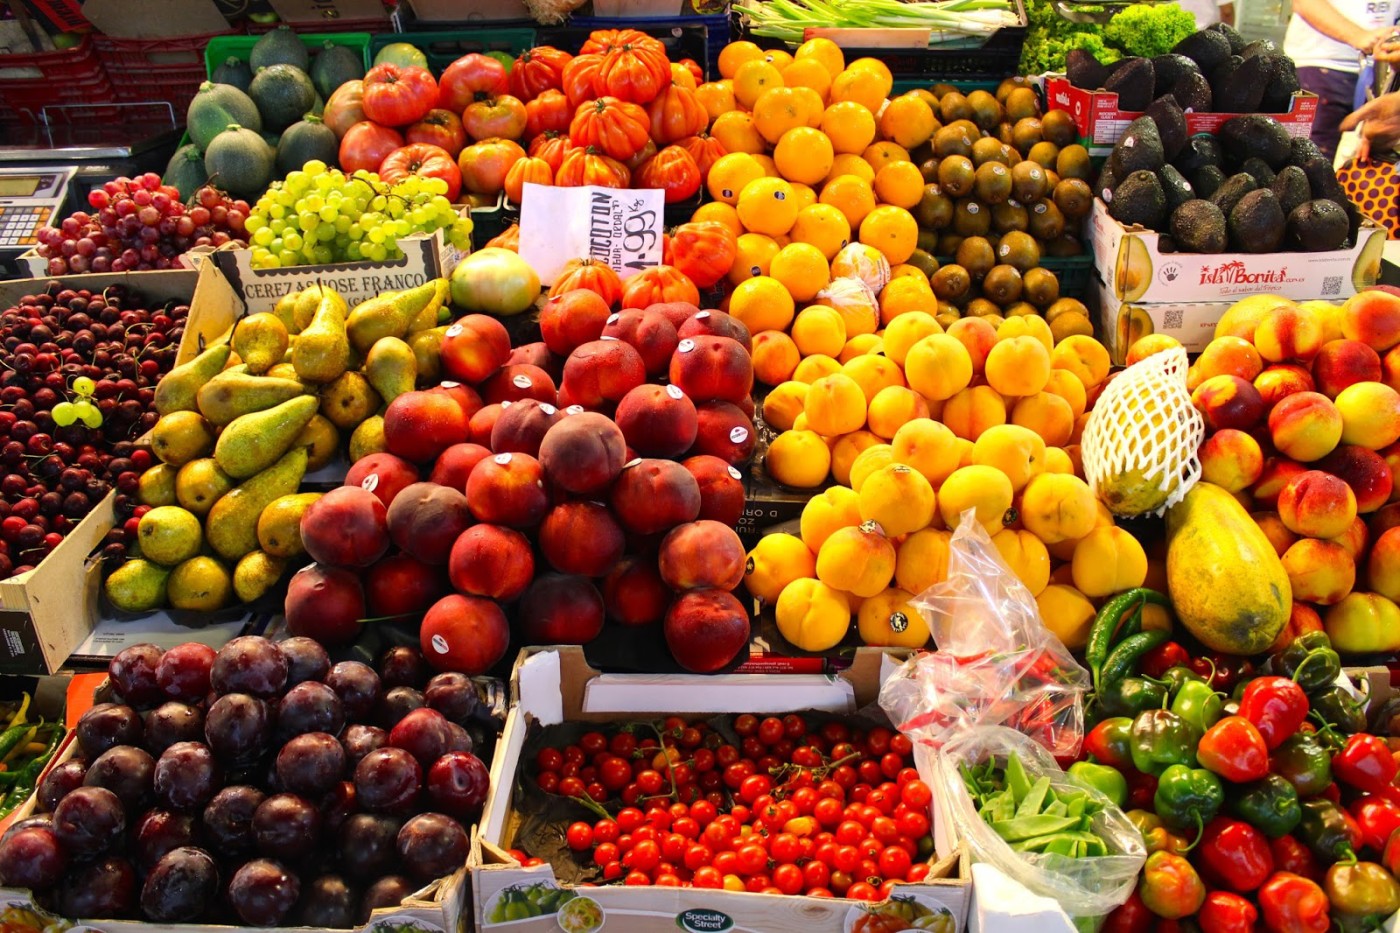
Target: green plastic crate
x,y
904,85
443,47
222,48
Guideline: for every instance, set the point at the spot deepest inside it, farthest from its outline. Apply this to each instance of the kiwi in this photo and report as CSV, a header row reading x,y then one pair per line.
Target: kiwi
x,y
952,141
948,243
1005,133
991,149
1073,162
1067,245
1003,284
1074,198
928,168
1040,287
1022,102
956,176
953,106
951,283
1028,182
1058,127
976,255
1008,85
1027,133
986,111
1010,215
971,218
1019,250
935,209
938,90
1046,220
983,308
992,183
927,240
1046,154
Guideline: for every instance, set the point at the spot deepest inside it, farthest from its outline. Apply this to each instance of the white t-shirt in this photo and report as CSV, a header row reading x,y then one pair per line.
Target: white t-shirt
x,y
1207,12
1311,49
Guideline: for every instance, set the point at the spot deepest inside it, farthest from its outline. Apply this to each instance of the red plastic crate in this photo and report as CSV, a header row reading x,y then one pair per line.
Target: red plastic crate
x,y
169,69
328,25
31,82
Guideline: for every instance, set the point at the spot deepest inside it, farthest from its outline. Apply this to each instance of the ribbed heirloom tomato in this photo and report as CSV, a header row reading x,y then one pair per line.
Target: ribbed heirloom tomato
x,y
578,78
704,251
538,70
673,171
657,285
634,68
531,169
617,128
426,160
675,113
704,149
588,166
552,147
441,128
549,110
596,277
469,76
397,96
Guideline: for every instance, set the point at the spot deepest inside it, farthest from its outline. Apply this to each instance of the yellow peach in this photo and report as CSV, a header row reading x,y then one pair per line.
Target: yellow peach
x,y
922,560
898,498
775,561
1108,561
1056,506
983,489
824,513
798,458
1016,451
892,408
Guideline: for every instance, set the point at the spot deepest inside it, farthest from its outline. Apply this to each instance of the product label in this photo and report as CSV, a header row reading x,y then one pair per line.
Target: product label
x,y
702,920
619,227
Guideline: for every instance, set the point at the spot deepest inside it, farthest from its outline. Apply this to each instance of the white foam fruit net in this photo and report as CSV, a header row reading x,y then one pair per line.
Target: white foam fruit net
x,y
1139,446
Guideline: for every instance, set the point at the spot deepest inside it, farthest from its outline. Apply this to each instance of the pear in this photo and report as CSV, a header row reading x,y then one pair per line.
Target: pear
x,y
177,388
232,525
169,535
137,586
388,316
200,584
309,301
321,438
231,395
285,310
349,400
253,442
391,368
427,353
156,486
322,352
368,438
255,574
260,339
200,483
283,370
428,317
182,436
279,526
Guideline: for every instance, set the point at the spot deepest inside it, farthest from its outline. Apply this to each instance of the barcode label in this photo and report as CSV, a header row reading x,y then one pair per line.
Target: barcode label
x,y
1332,285
1171,320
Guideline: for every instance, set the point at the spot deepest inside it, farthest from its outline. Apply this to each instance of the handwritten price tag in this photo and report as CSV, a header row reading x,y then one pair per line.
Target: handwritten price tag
x,y
620,227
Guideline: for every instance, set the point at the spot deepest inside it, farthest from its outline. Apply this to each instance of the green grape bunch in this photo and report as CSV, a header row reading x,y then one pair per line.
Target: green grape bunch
x,y
320,215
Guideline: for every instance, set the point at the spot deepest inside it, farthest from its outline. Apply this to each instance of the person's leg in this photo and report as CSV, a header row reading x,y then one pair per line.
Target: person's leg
x,y
1335,90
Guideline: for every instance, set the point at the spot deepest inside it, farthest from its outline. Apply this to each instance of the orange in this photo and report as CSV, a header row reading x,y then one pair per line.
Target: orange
x,y
804,195
862,86
737,132
777,58
849,195
892,231
883,153
908,121
761,303
900,184
851,126
802,270
804,154
808,73
875,66
735,54
821,225
826,52
767,205
752,79
716,97
816,105
866,263
730,174
905,294
682,77
776,111
849,163
819,330
718,212
754,253
770,168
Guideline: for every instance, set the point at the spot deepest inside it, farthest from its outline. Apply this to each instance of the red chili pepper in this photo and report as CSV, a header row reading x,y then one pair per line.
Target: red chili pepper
x,y
1224,912
1294,904
1131,916
1276,705
1378,816
1294,857
1167,655
1234,749
1365,762
1141,789
1234,855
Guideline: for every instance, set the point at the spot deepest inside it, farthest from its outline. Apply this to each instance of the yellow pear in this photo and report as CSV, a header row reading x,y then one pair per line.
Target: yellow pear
x,y
182,436
260,340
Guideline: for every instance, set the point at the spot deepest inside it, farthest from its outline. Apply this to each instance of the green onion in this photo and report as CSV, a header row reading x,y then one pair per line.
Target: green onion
x,y
946,19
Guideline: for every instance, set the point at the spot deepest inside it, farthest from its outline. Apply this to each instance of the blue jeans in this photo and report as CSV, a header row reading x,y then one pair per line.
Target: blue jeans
x,y
1336,91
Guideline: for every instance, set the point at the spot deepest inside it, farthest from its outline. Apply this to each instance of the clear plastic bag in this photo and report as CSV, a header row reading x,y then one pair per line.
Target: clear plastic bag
x,y
1085,888
996,663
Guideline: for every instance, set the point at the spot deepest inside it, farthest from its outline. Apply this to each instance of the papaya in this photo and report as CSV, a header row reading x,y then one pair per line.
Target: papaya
x,y
1227,584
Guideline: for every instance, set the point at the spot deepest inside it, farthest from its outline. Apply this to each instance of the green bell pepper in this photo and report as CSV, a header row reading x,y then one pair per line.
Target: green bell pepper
x,y
1188,797
1310,661
1303,762
1177,677
1102,778
1337,708
1131,695
1162,738
1269,804
1198,704
1326,830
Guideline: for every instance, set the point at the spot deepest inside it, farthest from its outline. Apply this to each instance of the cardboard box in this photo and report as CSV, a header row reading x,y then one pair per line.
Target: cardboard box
x,y
553,685
1119,324
213,310
1101,124
425,257
153,19
1133,267
38,267
458,11
322,12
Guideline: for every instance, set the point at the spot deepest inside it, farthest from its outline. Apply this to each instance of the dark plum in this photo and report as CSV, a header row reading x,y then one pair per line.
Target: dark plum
x,y
32,858
173,722
249,664
187,776
228,819
183,672
432,845
133,674
359,741
180,887
107,725
104,888
423,733
329,902
61,779
398,703
238,728
286,825
388,780
263,892
457,784
44,820
310,764
337,806
126,771
403,666
462,740
386,892
454,695
368,845
358,687
309,707
89,821
159,832
306,659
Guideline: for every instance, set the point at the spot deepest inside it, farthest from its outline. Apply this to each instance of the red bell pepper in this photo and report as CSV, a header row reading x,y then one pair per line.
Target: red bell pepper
x,y
1276,705
1234,749
1294,904
1165,656
1234,855
1365,762
1224,912
1378,816
1132,916
1292,856
1333,793
1142,788
1170,887
1109,741
1390,855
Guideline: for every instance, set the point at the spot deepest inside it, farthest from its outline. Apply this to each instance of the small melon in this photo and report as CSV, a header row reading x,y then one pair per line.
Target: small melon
x,y
234,71
281,46
334,65
282,93
239,161
302,142
214,107
186,171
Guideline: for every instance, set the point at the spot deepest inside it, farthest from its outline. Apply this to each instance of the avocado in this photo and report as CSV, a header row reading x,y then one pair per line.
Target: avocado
x,y
1258,47
1318,226
1257,223
1223,74
1139,148
1199,227
1281,86
1201,150
1232,191
1084,71
1236,40
1169,69
1139,199
1301,149
1171,125
1132,82
1207,181
1259,169
1108,181
1208,49
1192,93
1322,180
1255,134
1244,89
1177,189
1291,188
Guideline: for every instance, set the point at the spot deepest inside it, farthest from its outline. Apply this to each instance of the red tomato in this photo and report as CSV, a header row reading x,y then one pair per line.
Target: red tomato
x,y
345,108
366,144
589,167
673,171
538,70
485,164
441,128
501,117
469,76
548,111
397,96
580,837
426,160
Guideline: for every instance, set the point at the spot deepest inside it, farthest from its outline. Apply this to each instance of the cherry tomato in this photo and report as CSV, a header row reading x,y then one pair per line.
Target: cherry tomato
x,y
770,730
605,831
571,787
579,836
745,725
643,856
862,891
629,819
788,879
895,862
549,759
707,877
916,794
549,782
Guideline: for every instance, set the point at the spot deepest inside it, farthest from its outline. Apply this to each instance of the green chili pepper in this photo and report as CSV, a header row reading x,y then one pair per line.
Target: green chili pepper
x,y
1310,661
1269,804
1325,829
28,776
1198,704
1102,778
1187,797
13,737
1110,625
1339,710
1123,659
1303,762
1132,695
1179,676
1161,739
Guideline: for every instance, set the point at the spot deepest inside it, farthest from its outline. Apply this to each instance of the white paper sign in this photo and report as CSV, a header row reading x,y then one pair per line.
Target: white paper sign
x,y
618,226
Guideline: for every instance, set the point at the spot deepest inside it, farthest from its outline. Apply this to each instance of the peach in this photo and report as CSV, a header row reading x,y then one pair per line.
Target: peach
x,y
347,527
1150,345
455,464
892,408
815,367
1317,505
538,355
898,498
903,332
985,490
582,538
383,474
1107,560
1226,356
1373,317
922,560
516,382
561,610
1305,426
1354,539
657,421
724,431
1341,363
1386,518
1277,473
634,593
1383,566
1067,613
399,585
677,312
492,561
827,511
571,319
811,614
721,489
1228,402
420,425
1058,507
1067,386
1231,459
775,356
652,496
847,450
774,562
860,345
1025,555
1365,471
1319,571
868,461
465,396
474,347
1046,414
325,603
835,405
782,405
1370,414
977,337
1242,317
1281,380
1288,333
601,372
857,560
1390,368
426,519
938,366
508,489
1017,452
522,426
873,372
650,333
1363,623
716,324
467,634
1083,356
974,410
702,554
583,453
483,423
799,459
1302,619
819,329
706,629
710,367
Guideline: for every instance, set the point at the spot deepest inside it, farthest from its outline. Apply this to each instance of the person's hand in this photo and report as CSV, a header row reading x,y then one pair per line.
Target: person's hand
x,y
1382,123
1387,50
1367,41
